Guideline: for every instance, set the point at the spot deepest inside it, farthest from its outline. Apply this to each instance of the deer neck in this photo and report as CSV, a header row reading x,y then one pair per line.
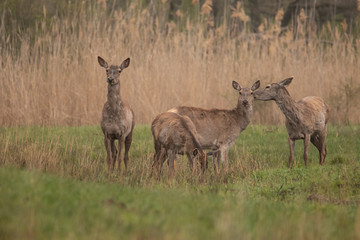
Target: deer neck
x,y
114,98
288,106
243,113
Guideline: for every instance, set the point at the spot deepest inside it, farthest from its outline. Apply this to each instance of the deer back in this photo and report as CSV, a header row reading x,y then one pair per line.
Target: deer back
x,y
174,132
314,112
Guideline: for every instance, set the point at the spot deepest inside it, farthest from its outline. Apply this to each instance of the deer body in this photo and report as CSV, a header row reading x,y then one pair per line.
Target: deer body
x,y
174,134
305,119
117,121
219,128
117,116
306,116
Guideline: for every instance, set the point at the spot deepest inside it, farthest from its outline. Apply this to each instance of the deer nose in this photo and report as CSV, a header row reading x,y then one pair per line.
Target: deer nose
x,y
245,102
110,80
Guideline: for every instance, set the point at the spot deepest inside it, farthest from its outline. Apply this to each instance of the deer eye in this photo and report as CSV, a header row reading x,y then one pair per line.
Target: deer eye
x,y
107,70
119,71
252,93
267,86
240,93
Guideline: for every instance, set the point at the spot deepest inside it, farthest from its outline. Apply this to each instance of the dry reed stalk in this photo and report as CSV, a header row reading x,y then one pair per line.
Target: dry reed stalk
x,y
53,78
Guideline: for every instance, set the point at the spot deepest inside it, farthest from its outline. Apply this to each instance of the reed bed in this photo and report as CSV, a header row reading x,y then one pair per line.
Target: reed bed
x,y
50,76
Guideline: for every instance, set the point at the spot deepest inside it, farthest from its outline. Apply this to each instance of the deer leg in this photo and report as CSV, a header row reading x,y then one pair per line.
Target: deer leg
x,y
108,153
157,148
155,164
225,159
306,148
162,158
191,163
120,143
323,145
113,154
159,159
324,155
156,159
216,160
172,157
291,146
128,141
315,140
319,141
204,164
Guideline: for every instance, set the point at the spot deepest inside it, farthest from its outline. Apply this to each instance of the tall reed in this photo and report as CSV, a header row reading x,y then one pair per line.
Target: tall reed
x,y
51,76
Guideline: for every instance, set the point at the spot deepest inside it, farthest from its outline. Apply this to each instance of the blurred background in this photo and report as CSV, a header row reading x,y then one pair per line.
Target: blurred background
x,y
182,53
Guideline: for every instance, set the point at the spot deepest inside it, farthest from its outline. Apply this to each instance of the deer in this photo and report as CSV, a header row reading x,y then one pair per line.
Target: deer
x,y
219,128
175,135
306,118
117,122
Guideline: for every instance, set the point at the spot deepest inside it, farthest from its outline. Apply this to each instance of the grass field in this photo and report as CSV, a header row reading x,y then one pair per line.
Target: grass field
x,y
54,185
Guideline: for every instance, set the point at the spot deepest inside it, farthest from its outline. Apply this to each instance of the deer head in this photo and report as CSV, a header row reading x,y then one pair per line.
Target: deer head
x,y
246,95
113,72
271,91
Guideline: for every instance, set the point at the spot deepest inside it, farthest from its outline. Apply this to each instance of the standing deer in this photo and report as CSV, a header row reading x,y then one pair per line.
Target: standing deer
x,y
219,128
305,119
174,134
117,121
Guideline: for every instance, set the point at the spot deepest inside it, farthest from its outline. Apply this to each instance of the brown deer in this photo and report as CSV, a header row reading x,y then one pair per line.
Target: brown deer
x,y
174,134
305,119
219,128
117,121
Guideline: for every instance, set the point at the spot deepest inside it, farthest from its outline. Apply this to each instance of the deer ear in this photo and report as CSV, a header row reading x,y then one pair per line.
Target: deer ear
x,y
286,82
195,152
125,64
236,86
256,85
102,62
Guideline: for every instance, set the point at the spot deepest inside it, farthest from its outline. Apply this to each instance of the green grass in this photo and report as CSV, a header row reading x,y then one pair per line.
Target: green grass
x,y
54,185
